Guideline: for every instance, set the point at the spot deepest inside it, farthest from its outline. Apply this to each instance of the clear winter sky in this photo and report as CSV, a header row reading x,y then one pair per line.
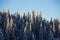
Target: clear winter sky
x,y
49,8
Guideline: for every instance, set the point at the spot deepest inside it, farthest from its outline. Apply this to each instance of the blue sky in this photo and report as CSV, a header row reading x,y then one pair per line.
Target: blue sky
x,y
49,8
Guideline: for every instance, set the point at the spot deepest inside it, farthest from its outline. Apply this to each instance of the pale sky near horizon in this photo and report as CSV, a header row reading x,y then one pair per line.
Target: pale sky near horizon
x,y
49,8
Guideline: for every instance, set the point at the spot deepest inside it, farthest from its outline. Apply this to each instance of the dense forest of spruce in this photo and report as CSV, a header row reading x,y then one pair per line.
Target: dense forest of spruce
x,y
28,27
